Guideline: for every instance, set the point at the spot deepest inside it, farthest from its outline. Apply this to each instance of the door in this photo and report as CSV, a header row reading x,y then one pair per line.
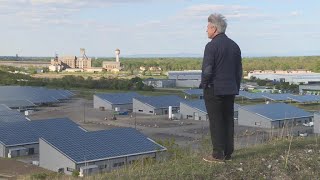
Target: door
x,y
196,116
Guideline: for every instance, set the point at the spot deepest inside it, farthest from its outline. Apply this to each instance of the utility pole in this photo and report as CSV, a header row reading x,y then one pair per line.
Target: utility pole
x,y
84,112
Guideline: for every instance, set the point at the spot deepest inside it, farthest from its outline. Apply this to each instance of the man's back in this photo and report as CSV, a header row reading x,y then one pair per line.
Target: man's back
x,y
224,55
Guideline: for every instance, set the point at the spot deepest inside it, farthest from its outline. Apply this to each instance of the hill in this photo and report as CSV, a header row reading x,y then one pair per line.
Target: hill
x,y
293,158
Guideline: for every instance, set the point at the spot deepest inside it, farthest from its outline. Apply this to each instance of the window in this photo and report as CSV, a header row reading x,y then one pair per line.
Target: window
x,y
30,151
118,164
70,169
150,111
140,110
257,123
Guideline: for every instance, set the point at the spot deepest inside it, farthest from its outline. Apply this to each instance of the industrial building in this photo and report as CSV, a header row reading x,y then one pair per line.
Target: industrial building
x,y
9,115
114,101
316,123
196,110
96,152
24,97
273,115
190,78
160,83
156,105
310,89
70,62
114,66
25,139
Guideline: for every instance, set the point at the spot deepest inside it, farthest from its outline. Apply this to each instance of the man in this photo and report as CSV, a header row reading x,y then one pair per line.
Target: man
x,y
221,76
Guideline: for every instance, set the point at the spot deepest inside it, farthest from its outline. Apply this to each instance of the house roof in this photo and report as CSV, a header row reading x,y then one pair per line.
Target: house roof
x,y
161,101
119,98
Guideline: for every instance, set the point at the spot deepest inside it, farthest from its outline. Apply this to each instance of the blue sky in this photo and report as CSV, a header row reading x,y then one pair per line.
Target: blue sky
x,y
260,27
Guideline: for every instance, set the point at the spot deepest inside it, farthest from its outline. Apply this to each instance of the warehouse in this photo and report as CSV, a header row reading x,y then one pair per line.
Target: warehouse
x,y
274,115
188,78
95,152
9,115
193,93
316,124
25,140
196,110
114,101
156,105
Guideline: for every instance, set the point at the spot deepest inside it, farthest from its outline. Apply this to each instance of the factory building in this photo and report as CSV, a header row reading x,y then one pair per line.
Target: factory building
x,y
273,115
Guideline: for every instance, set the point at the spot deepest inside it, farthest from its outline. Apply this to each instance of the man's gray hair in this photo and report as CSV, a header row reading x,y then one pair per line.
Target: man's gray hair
x,y
218,21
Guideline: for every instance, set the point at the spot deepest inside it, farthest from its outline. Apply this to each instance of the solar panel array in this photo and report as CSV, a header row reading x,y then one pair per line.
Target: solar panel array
x,y
28,132
9,115
161,101
25,96
251,96
103,144
276,97
305,98
194,92
119,98
200,105
277,111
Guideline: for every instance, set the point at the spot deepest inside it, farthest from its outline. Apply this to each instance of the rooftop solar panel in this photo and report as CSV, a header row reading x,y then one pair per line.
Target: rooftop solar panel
x,y
277,111
194,91
249,95
161,101
28,132
305,98
103,144
17,103
119,98
276,97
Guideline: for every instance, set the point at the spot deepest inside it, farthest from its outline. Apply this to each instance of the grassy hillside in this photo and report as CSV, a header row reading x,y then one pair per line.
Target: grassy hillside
x,y
296,158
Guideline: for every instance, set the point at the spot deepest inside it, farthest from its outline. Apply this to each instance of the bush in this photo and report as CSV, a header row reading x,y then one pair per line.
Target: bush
x,y
39,176
75,173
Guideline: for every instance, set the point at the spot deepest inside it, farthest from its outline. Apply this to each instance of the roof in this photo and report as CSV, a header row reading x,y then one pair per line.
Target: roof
x,y
161,101
276,97
305,98
200,105
277,111
22,96
249,95
194,91
105,144
29,132
9,115
119,98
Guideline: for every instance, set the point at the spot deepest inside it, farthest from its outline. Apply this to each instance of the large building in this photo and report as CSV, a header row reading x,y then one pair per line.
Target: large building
x,y
273,115
71,62
293,77
25,139
114,101
196,110
310,89
96,152
156,105
190,78
114,66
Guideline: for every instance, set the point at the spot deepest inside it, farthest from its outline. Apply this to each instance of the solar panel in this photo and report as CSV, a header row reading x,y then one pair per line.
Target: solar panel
x,y
4,107
194,92
161,101
277,111
28,132
103,144
25,96
119,98
251,96
276,97
305,98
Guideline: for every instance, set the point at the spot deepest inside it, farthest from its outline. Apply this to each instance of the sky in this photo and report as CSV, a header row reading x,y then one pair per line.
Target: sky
x,y
162,27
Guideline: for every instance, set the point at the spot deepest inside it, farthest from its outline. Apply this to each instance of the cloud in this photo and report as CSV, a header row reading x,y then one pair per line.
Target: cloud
x,y
295,13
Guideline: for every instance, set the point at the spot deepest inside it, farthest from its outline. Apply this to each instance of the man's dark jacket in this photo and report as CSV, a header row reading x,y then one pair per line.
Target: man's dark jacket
x,y
222,67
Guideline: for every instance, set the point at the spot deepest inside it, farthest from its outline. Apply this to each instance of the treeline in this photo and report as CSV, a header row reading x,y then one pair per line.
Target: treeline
x,y
74,82
311,63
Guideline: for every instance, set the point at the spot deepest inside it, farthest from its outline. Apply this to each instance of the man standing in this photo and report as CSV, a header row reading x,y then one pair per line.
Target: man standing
x,y
221,76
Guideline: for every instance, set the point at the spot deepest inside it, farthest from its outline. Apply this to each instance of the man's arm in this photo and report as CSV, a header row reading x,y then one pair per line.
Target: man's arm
x,y
239,70
207,66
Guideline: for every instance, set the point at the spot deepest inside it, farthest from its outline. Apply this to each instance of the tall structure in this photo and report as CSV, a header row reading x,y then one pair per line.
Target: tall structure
x,y
73,62
111,65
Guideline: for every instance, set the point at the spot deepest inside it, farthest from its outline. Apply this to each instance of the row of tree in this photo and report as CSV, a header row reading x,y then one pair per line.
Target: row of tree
x,y
255,63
